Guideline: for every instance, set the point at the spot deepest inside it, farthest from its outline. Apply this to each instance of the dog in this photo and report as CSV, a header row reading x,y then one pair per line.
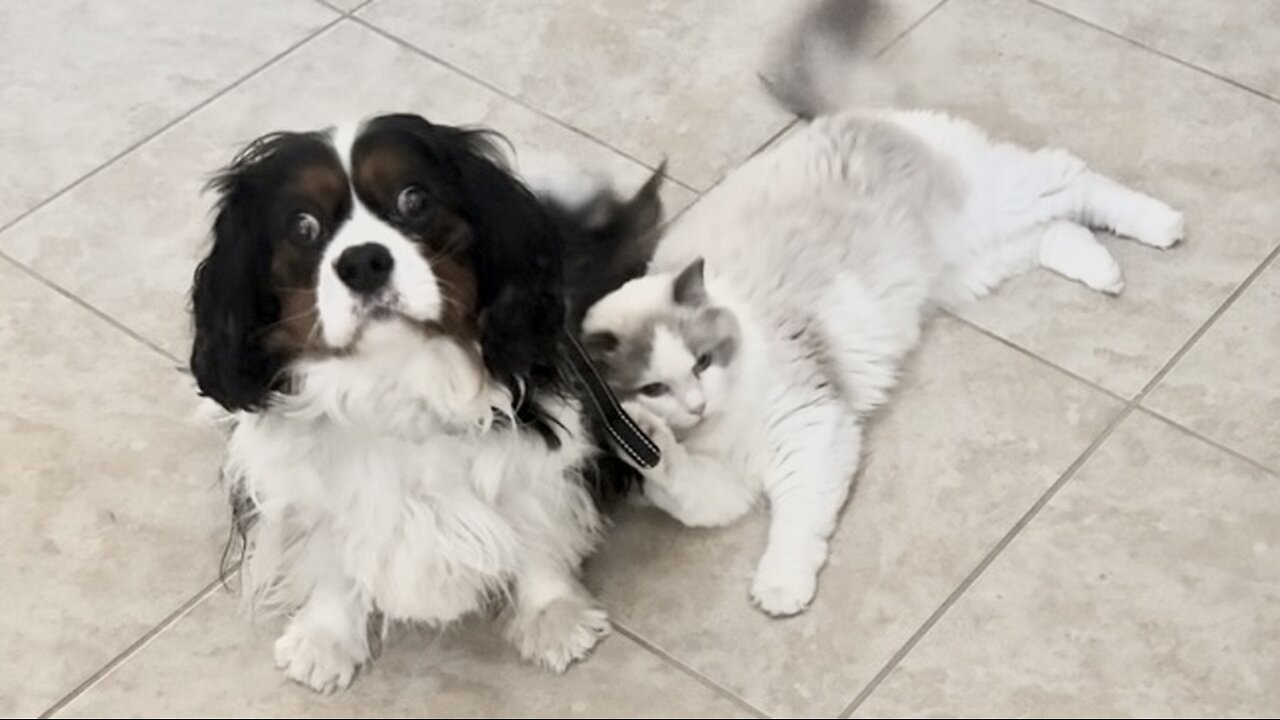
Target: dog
x,y
382,310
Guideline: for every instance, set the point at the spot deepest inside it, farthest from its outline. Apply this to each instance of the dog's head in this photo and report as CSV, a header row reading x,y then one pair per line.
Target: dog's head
x,y
320,237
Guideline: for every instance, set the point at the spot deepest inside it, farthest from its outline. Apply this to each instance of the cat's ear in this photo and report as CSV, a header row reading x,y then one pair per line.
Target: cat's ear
x,y
689,287
600,343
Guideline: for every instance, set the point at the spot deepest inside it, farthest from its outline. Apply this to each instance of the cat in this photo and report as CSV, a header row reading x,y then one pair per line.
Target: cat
x,y
776,313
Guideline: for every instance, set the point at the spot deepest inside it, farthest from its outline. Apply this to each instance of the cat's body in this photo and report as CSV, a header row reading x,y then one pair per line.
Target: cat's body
x,y
828,250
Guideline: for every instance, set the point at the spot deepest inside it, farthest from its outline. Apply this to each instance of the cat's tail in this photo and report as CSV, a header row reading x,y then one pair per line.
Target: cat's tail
x,y
822,64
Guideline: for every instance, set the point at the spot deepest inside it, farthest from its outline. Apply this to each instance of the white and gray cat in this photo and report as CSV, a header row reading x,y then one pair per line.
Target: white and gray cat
x,y
823,255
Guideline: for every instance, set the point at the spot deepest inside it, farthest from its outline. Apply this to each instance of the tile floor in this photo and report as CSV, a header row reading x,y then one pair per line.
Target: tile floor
x,y
1071,508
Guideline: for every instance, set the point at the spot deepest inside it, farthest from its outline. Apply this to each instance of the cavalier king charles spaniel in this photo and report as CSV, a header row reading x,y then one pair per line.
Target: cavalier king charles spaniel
x,y
383,311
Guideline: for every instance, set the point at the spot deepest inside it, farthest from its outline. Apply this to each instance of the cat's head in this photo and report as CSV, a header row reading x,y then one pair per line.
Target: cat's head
x,y
661,341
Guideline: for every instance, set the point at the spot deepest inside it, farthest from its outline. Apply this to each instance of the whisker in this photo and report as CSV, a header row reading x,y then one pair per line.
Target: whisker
x,y
289,318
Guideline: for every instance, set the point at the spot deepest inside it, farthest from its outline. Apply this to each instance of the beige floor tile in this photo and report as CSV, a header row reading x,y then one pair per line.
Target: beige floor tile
x,y
663,78
1032,75
1239,40
1227,387
1148,587
975,435
109,518
213,663
81,81
137,265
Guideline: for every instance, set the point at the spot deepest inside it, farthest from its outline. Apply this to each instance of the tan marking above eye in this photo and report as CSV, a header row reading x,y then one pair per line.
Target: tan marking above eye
x,y
324,185
381,172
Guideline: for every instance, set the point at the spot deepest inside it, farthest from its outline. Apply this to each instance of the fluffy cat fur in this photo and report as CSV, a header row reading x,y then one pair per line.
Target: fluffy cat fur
x,y
823,256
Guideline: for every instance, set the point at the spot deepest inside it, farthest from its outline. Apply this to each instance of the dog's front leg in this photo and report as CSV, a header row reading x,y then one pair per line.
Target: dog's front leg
x,y
326,640
554,620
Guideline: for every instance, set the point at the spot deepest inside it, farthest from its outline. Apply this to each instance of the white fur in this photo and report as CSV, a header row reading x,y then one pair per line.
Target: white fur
x,y
412,290
671,364
830,248
386,481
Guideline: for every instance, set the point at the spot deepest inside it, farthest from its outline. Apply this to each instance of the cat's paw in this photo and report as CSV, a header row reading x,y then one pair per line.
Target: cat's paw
x,y
314,658
560,632
658,431
781,589
1158,225
1104,275
1072,251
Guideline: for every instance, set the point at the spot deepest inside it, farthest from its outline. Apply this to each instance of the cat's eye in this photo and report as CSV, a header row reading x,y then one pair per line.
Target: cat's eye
x,y
304,229
702,363
413,203
654,389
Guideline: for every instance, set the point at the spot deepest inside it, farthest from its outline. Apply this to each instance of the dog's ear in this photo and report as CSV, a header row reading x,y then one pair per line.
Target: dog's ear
x,y
232,305
516,253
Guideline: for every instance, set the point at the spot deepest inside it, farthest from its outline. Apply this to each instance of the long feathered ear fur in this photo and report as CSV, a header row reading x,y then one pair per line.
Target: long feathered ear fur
x,y
232,304
515,253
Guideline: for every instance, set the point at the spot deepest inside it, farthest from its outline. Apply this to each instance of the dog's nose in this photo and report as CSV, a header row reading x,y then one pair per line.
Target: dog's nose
x,y
365,268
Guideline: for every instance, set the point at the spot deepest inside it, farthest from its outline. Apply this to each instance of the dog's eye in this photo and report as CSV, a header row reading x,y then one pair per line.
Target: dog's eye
x,y
413,203
304,228
703,362
654,389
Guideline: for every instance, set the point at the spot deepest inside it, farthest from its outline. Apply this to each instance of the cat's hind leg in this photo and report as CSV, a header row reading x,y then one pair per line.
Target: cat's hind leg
x,y
1106,204
1072,251
817,452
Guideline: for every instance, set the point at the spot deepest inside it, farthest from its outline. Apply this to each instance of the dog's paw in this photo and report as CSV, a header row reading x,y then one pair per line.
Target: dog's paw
x,y
315,659
781,589
560,632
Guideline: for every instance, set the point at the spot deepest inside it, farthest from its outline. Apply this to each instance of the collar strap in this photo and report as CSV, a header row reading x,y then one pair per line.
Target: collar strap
x,y
627,436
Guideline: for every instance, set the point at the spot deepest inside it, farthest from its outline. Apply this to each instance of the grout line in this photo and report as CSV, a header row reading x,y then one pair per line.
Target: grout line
x,y
986,561
133,648
100,314
919,21
494,88
171,123
1024,351
112,160
1137,43
1048,495
759,149
1207,440
331,7
1199,333
344,13
797,120
765,145
670,659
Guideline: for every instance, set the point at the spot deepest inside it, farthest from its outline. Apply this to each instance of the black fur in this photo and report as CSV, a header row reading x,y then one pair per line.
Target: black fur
x,y
516,253
537,266
232,302
608,242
